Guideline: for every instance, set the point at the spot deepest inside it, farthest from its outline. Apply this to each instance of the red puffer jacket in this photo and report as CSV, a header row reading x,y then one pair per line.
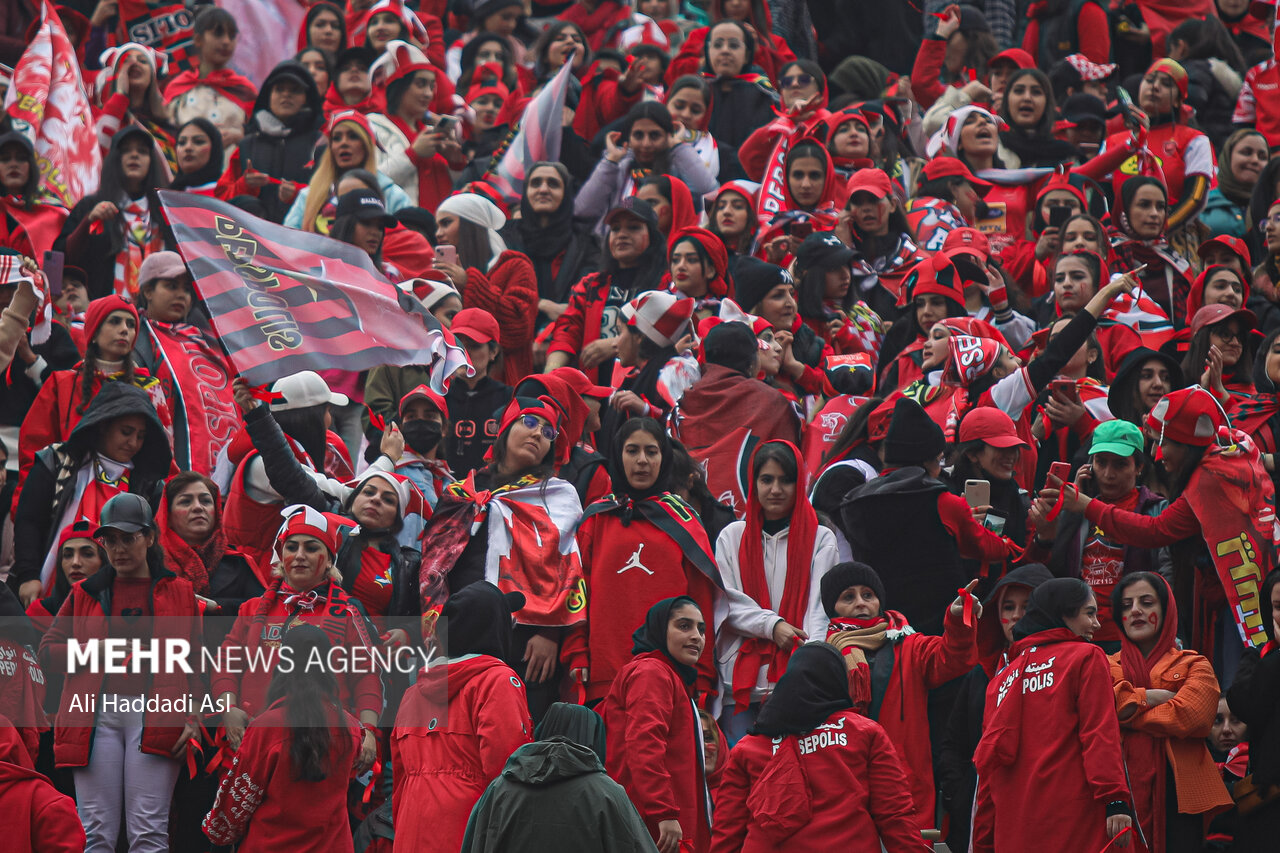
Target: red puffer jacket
x,y
35,816
455,730
84,615
855,784
654,741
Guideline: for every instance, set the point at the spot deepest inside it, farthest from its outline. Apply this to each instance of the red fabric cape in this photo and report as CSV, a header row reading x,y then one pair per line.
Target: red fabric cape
x,y
235,87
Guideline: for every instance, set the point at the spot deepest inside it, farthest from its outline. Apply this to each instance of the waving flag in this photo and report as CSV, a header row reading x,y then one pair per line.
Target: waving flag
x,y
1141,313
163,26
538,139
48,94
283,300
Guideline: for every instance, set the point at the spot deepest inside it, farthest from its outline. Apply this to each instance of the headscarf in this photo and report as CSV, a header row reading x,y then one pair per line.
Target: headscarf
x,y
618,474
802,531
1195,297
1050,602
574,723
477,620
304,31
1128,190
1136,665
480,211
991,642
543,243
946,142
209,172
713,247
187,561
813,688
652,635
1236,192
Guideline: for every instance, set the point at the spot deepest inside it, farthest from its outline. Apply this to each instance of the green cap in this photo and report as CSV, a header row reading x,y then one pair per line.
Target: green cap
x,y
1117,436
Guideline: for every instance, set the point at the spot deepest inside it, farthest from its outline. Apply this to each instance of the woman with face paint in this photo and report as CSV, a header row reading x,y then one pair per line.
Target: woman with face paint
x,y
1166,698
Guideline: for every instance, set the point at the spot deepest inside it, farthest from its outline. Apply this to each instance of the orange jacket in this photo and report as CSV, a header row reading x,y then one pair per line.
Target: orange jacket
x,y
1183,721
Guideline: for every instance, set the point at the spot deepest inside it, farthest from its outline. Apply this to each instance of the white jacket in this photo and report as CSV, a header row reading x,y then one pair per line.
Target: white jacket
x,y
749,618
393,154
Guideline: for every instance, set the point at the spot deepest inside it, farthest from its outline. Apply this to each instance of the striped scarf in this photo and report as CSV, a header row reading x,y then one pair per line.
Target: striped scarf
x,y
141,238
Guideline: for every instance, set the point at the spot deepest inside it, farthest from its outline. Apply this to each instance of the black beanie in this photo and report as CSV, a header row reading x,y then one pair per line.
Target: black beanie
x,y
754,278
913,437
732,345
841,576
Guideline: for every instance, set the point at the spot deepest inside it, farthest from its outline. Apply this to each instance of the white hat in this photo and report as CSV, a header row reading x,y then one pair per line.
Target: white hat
x,y
302,390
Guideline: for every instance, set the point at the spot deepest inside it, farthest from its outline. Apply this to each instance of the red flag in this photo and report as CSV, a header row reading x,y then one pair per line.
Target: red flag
x,y
48,94
538,139
772,198
161,26
282,300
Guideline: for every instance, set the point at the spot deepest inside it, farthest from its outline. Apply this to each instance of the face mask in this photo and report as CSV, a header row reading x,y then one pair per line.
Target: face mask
x,y
422,436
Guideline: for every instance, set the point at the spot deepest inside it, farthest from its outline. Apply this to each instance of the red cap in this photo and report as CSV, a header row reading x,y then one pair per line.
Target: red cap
x,y
1211,315
967,238
952,167
991,426
1232,244
81,529
870,180
423,392
1189,416
477,324
582,384
1016,55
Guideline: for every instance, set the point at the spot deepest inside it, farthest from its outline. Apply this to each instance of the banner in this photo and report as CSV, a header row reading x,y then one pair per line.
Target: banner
x,y
282,301
161,26
537,140
48,94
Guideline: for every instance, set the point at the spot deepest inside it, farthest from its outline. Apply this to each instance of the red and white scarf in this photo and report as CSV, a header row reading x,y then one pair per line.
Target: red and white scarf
x,y
141,238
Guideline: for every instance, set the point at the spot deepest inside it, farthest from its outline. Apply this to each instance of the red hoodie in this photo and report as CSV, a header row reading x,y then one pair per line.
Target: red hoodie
x,y
35,816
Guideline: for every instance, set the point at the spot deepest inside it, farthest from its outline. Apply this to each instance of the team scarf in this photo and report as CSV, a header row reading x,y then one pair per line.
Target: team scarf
x,y
1234,499
327,606
802,531
531,548
197,382
141,238
671,515
854,638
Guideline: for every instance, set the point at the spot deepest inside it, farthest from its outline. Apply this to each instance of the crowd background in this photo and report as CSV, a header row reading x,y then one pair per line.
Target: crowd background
x,y
869,436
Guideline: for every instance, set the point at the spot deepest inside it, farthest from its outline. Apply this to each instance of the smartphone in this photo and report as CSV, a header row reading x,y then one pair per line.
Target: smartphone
x,y
447,125
1126,105
448,254
52,266
1066,389
1058,215
1061,470
977,493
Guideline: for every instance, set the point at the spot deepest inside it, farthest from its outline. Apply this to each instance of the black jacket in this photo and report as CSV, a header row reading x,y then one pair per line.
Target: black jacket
x,y
290,156
473,422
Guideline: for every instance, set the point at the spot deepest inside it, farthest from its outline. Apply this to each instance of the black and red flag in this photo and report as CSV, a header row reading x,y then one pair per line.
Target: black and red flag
x,y
283,300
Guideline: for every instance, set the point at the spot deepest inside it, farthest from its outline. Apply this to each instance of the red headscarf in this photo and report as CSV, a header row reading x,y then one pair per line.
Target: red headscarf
x,y
757,651
715,249
188,562
1136,666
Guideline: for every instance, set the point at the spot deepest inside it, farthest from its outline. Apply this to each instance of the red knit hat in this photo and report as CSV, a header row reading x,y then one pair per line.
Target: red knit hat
x,y
543,407
487,80
98,311
1189,416
353,116
662,317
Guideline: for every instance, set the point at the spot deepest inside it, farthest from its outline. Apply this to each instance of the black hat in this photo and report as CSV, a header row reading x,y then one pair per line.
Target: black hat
x,y
1083,107
361,54
366,206
417,218
754,278
841,576
822,250
127,512
731,345
971,18
18,139
913,436
635,207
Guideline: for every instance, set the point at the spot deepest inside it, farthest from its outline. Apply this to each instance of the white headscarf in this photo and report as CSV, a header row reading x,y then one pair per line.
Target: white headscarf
x,y
946,142
479,210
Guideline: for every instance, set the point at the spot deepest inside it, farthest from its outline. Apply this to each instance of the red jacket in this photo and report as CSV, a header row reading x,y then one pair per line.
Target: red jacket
x,y
653,744
35,816
258,630
922,662
455,730
598,23
602,102
621,597
580,323
84,615
1093,34
1049,760
508,291
854,780
257,803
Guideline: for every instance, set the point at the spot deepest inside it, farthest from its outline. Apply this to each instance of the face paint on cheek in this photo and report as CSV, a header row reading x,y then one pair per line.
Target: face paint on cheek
x,y
1154,620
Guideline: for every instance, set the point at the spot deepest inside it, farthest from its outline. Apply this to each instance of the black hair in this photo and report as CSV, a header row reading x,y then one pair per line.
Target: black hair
x,y
216,20
776,452
306,426
510,77
1207,38
811,293
1044,127
691,81
31,191
1089,259
689,474
811,149
396,526
745,239
543,470
111,183
980,47
331,8
325,56
747,39
396,89
369,179
1198,354
473,245
343,229
62,586
942,188
658,114
1096,369
310,693
541,70
808,66
1126,581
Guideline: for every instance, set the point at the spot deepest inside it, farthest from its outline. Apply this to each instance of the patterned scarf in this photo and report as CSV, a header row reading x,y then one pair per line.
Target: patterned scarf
x,y
141,238
854,638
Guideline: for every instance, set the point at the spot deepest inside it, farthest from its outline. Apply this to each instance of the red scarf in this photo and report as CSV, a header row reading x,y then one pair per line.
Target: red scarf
x,y
375,102
757,651
192,563
234,87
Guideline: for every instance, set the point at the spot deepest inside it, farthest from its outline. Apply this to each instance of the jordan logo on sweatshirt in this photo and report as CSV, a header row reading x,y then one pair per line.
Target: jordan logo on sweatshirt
x,y
634,562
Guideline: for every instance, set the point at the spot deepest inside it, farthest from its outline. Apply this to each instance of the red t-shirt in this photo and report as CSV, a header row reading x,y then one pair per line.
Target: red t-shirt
x,y
130,619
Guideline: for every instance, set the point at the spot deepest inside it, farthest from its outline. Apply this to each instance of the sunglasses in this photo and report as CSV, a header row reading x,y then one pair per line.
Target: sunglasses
x,y
118,539
796,80
533,422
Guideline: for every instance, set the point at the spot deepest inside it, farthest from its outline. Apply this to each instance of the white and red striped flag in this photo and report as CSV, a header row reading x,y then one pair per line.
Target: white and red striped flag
x,y
48,94
537,140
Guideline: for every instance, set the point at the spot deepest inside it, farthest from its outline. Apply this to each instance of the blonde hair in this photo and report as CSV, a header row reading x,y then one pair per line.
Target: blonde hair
x,y
326,177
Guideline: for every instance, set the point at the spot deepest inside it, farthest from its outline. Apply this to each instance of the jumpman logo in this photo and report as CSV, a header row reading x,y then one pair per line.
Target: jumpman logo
x,y
634,562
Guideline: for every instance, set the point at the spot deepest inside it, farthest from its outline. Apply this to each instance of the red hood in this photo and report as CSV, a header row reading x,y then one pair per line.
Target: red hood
x,y
15,761
830,187
1195,296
